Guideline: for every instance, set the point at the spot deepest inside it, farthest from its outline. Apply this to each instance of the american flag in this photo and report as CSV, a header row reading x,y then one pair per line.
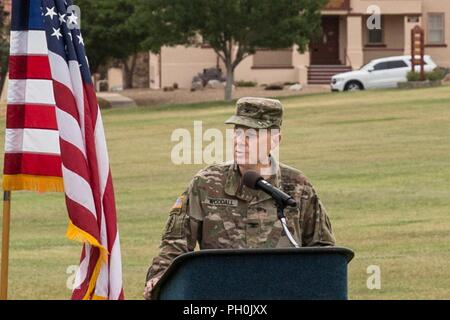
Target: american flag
x,y
55,129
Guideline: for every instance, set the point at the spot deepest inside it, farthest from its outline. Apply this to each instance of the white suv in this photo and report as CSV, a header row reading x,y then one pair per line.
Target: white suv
x,y
379,73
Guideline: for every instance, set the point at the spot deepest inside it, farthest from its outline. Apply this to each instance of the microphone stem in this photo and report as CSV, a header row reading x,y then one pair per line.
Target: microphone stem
x,y
288,233
282,217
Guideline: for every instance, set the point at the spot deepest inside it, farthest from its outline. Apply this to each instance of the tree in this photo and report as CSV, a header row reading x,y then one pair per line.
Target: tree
x,y
235,29
112,30
4,45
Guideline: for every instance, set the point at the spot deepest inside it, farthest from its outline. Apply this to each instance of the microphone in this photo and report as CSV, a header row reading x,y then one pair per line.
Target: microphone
x,y
253,180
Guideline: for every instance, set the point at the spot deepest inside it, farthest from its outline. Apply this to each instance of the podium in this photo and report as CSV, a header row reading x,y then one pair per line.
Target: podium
x,y
318,273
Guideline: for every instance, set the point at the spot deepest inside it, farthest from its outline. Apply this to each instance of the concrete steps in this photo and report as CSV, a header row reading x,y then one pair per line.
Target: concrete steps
x,y
321,74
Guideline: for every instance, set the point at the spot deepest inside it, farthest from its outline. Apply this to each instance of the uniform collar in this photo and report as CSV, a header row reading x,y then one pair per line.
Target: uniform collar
x,y
234,187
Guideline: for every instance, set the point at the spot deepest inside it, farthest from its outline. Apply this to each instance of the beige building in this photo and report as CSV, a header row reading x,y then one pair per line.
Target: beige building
x,y
347,43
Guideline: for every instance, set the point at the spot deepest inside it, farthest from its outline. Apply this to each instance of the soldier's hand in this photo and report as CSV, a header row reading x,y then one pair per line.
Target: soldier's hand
x,y
149,287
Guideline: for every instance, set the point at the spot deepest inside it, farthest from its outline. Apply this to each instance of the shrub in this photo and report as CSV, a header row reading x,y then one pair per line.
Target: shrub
x,y
275,86
103,104
413,76
436,75
248,84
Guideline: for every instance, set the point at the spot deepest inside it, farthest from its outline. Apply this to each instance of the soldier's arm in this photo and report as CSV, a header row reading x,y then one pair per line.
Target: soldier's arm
x,y
182,231
315,223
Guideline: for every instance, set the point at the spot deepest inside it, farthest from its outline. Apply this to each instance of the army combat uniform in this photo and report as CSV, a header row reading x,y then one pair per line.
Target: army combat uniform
x,y
218,212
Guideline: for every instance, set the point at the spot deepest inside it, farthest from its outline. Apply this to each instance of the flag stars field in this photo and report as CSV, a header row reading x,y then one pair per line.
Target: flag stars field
x,y
57,33
62,18
51,12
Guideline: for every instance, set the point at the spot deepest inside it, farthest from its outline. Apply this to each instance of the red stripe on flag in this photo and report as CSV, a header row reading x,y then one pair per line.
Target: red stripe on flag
x,y
91,99
82,218
29,67
20,116
65,100
74,159
33,164
78,294
110,212
91,154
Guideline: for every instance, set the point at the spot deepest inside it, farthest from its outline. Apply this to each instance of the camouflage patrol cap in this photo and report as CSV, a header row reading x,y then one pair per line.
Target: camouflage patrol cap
x,y
257,113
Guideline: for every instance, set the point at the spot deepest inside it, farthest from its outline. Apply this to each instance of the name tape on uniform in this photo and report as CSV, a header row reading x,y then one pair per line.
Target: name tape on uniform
x,y
222,202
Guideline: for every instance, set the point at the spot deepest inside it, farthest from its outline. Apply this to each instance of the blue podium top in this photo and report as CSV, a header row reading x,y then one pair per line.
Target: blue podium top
x,y
257,274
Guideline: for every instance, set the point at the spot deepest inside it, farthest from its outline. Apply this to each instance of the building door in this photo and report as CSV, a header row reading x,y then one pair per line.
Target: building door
x,y
325,49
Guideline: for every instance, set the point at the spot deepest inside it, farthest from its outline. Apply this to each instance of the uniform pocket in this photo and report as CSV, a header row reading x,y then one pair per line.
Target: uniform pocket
x,y
215,234
267,230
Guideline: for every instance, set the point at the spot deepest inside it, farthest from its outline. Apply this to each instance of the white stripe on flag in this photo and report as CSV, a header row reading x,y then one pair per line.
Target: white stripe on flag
x,y
78,190
69,130
102,285
102,153
78,90
83,270
31,91
60,70
32,140
28,42
115,270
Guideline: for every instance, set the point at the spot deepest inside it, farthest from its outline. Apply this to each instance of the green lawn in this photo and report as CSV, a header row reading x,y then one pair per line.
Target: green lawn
x,y
379,160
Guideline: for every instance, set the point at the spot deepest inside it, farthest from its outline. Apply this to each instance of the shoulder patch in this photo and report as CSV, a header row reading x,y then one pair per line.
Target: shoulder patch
x,y
179,203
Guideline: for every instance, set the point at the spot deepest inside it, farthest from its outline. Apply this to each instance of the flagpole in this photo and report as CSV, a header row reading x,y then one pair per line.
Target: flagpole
x,y
5,244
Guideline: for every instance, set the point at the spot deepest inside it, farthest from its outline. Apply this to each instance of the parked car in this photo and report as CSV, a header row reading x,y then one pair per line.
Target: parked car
x,y
378,73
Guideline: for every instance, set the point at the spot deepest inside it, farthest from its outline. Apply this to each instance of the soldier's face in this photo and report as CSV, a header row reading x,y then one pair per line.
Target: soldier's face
x,y
253,146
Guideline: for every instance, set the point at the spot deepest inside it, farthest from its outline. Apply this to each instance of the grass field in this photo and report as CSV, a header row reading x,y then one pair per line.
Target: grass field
x,y
379,160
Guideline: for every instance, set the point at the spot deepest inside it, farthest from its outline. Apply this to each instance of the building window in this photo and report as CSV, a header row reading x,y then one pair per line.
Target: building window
x,y
436,28
272,59
375,36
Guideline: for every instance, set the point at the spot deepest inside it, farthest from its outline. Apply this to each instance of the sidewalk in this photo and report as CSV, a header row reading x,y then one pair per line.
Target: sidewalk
x,y
114,100
149,98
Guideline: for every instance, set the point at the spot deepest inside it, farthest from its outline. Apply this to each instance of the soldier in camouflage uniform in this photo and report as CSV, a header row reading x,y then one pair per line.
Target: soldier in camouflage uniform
x,y
218,212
